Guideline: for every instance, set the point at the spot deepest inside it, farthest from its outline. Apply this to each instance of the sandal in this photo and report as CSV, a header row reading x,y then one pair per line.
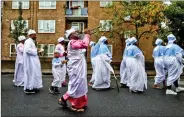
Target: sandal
x,y
90,84
156,87
62,102
80,110
73,109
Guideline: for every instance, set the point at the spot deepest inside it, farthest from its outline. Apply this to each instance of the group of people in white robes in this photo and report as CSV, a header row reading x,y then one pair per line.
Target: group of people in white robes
x,y
27,67
168,61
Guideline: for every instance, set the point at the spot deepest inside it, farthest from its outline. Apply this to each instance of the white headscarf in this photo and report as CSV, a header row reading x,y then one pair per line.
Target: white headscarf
x,y
133,40
21,38
91,43
127,41
31,32
60,39
171,38
58,51
158,41
103,39
68,32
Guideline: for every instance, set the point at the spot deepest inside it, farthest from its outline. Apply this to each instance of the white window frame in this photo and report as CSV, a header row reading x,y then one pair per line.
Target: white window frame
x,y
127,35
79,24
42,23
81,3
13,27
43,5
2,4
77,12
110,47
11,53
105,3
23,4
50,54
102,22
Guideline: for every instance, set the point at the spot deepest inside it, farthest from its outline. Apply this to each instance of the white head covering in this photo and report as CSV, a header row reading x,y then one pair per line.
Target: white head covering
x,y
31,32
127,41
68,32
58,51
91,43
60,39
103,39
171,38
21,38
158,41
133,40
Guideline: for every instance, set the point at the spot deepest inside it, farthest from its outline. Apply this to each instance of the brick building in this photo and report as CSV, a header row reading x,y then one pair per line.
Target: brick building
x,y
51,19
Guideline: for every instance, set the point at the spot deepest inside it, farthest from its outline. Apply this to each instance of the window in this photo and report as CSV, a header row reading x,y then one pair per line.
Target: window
x,y
128,34
46,26
127,18
51,48
46,50
110,48
77,12
105,4
25,25
47,4
105,25
12,50
25,4
167,2
78,26
77,3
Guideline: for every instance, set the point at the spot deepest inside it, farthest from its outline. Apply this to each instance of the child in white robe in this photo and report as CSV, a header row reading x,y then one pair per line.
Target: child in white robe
x,y
57,64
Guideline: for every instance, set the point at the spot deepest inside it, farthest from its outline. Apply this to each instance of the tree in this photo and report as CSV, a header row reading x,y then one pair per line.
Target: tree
x,y
19,26
175,16
135,16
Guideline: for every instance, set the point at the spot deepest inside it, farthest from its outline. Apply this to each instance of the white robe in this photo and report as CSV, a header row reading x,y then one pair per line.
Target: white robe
x,y
102,72
160,71
32,67
174,67
137,77
63,72
123,71
57,71
93,68
19,70
77,72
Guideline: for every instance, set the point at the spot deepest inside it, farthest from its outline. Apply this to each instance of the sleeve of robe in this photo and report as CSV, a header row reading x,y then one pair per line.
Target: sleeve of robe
x,y
81,44
179,54
21,48
29,50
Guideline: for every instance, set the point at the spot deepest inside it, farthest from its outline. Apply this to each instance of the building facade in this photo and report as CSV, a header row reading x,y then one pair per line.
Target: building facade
x,y
51,19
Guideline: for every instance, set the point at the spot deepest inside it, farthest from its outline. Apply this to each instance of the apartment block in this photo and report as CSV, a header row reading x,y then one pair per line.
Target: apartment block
x,y
50,19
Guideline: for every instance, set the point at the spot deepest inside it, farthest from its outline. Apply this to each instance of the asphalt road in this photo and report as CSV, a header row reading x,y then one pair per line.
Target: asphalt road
x,y
153,102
